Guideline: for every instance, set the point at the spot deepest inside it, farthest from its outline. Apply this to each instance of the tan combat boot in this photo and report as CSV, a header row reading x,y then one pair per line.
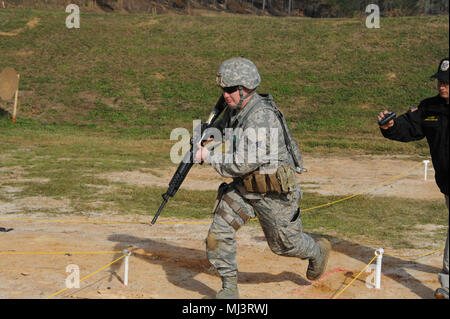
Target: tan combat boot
x,y
229,289
317,266
441,293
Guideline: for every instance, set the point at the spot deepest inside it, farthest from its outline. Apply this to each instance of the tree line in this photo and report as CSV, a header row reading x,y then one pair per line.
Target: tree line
x,y
307,8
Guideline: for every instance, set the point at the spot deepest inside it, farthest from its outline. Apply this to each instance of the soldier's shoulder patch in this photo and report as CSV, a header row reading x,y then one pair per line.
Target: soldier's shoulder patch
x,y
414,108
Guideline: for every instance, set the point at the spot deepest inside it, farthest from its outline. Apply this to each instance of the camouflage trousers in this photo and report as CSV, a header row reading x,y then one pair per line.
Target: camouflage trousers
x,y
278,215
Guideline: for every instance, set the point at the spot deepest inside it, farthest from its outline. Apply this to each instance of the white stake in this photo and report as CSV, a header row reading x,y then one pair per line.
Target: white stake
x,y
379,253
426,169
125,275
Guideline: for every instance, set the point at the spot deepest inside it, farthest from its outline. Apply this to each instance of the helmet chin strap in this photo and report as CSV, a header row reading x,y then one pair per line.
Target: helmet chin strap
x,y
242,97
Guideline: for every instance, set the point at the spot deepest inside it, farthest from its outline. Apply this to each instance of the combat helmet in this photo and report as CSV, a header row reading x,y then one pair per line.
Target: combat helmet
x,y
238,72
241,73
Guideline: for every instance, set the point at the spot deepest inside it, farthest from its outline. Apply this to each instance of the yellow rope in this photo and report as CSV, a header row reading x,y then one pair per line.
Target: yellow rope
x,y
355,278
59,253
418,256
114,222
177,222
90,275
422,255
366,191
201,222
96,222
360,193
70,221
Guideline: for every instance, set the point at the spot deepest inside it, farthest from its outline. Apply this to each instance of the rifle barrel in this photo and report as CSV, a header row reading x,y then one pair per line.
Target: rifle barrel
x,y
160,209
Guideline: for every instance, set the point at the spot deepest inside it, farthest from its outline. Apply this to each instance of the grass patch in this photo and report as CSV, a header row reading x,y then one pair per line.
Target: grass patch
x,y
368,218
121,73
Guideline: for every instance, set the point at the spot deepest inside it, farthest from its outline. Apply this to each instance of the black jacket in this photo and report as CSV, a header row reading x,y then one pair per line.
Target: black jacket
x,y
430,120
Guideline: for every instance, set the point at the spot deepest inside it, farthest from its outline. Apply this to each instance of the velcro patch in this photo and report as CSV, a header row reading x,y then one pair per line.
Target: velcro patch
x,y
431,119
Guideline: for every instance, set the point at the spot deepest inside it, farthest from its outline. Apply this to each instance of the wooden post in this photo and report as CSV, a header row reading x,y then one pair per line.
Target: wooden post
x,y
15,100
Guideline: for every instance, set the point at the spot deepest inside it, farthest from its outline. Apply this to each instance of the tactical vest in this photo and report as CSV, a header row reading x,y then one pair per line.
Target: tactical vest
x,y
289,140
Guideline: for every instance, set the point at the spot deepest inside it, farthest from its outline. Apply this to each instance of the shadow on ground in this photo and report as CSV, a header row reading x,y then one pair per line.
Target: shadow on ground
x,y
395,268
182,265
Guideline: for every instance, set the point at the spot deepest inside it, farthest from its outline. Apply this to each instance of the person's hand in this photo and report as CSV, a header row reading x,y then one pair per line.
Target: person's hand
x,y
202,154
388,124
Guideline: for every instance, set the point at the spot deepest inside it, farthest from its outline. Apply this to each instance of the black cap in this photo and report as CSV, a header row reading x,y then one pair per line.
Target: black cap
x,y
442,73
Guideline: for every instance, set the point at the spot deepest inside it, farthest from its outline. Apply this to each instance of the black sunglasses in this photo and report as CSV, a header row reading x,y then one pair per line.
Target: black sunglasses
x,y
230,89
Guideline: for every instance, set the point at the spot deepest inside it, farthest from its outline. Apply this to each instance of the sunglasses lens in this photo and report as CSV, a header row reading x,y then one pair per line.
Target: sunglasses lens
x,y
230,89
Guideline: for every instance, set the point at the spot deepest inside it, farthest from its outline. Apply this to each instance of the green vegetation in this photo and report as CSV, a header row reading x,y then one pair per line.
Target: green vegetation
x,y
105,98
69,167
368,218
141,76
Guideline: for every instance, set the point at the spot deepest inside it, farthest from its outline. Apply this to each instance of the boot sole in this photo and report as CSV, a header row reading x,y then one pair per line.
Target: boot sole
x,y
326,246
441,296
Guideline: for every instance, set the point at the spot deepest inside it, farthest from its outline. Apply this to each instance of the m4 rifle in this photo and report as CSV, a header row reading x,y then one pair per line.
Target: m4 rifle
x,y
188,160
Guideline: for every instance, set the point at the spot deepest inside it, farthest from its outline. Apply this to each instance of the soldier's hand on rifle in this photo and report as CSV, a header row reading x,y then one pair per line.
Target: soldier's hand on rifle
x,y
202,154
388,124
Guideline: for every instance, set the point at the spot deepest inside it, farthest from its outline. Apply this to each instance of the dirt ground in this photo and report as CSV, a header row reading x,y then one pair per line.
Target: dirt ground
x,y
325,175
168,260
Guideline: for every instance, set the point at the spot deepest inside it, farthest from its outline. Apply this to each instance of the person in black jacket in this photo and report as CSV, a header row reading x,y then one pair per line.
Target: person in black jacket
x,y
430,120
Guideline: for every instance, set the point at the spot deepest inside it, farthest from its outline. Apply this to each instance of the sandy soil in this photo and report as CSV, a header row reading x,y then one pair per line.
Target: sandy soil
x,y
168,260
326,176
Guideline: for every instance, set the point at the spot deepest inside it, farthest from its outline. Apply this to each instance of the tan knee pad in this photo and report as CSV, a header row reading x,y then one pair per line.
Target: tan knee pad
x,y
211,242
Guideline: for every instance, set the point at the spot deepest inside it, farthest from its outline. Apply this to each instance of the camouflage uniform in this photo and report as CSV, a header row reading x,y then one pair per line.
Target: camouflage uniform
x,y
278,214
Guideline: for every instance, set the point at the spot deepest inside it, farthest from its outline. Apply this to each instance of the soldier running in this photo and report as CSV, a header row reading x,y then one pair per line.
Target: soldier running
x,y
266,187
